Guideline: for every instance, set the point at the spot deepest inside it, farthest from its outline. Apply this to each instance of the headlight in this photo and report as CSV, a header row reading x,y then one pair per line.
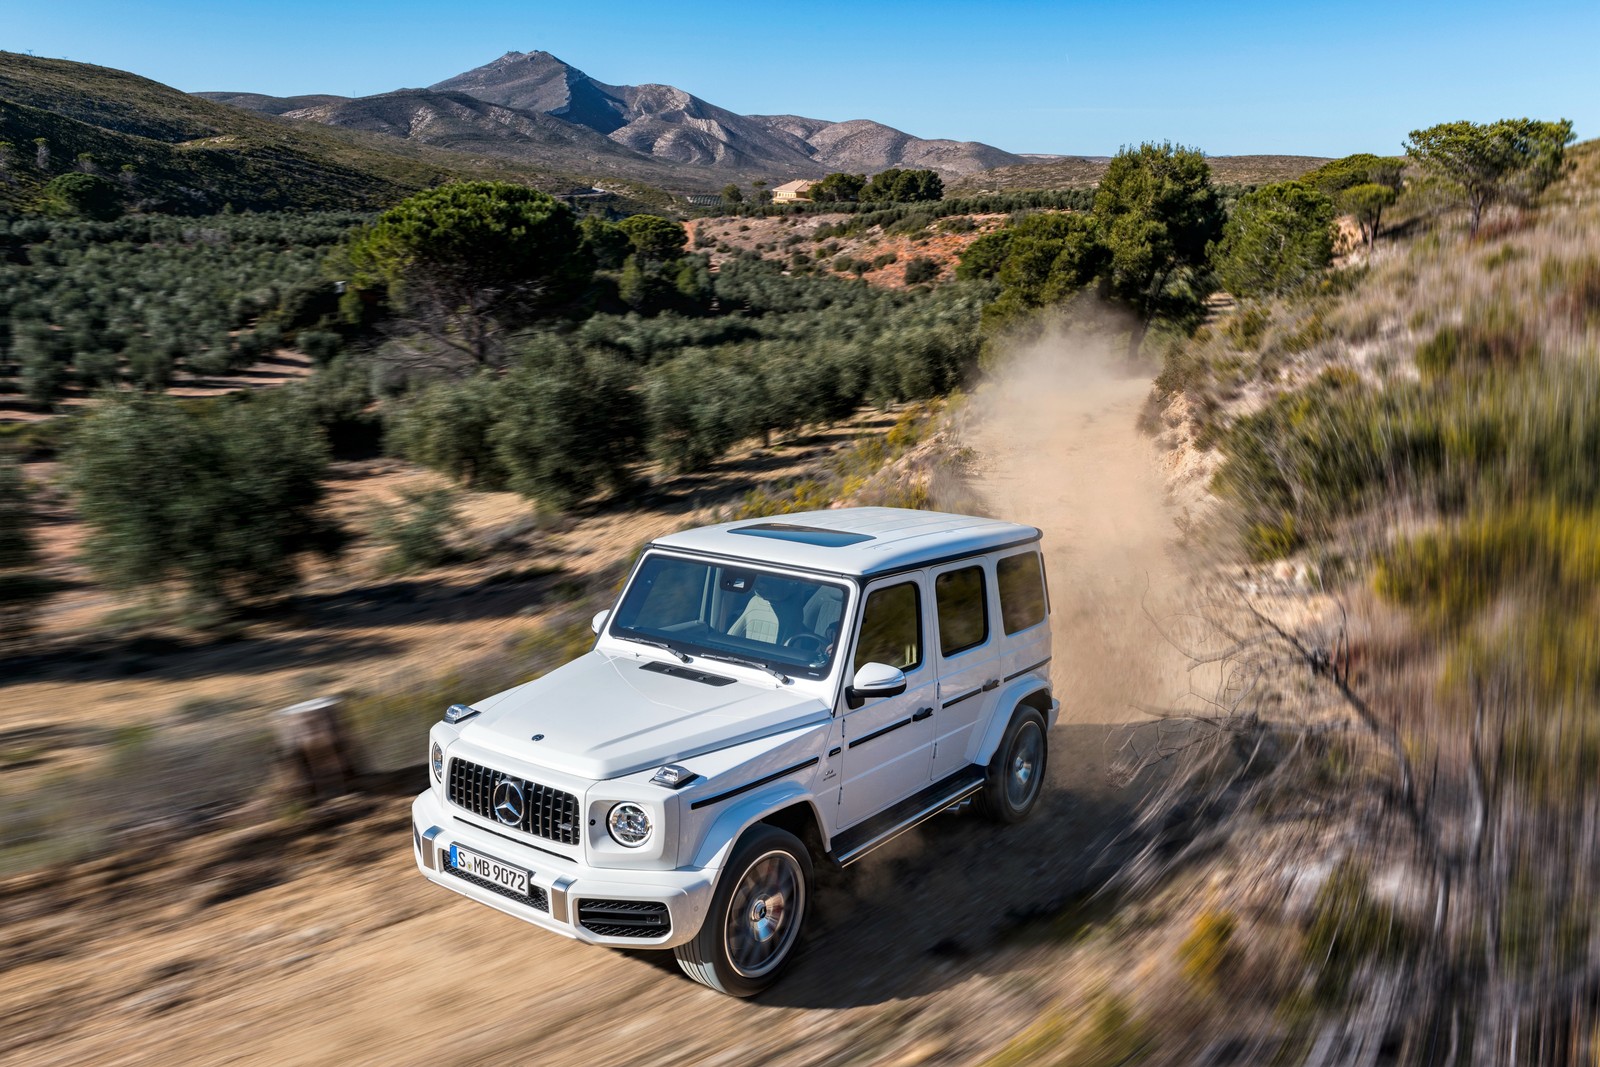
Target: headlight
x,y
436,757
629,825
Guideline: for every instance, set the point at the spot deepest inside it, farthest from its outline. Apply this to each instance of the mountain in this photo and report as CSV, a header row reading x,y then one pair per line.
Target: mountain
x,y
546,109
192,155
462,123
866,146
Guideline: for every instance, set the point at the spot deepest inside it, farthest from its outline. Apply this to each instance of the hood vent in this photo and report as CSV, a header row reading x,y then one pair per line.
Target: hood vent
x,y
688,673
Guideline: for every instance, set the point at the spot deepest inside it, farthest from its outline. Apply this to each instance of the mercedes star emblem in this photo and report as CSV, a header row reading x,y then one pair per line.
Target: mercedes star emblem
x,y
508,802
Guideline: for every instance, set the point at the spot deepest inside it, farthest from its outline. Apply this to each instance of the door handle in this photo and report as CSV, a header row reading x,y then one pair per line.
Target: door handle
x,y
922,713
992,683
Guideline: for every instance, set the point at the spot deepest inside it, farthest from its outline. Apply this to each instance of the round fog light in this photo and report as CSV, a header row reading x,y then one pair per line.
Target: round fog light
x,y
629,825
436,757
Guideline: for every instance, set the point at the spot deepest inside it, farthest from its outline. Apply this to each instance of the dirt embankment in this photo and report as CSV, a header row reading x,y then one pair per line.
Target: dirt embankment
x,y
317,943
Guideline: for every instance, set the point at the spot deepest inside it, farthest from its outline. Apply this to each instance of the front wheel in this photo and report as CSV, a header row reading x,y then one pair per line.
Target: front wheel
x,y
1016,774
750,933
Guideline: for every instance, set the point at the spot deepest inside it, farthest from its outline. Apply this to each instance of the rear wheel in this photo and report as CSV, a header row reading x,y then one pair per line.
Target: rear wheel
x,y
751,931
1016,774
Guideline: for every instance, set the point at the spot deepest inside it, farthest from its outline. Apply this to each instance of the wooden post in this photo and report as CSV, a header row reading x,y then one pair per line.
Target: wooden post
x,y
318,754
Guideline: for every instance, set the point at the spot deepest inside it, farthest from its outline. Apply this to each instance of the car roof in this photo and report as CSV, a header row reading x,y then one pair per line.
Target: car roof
x,y
856,542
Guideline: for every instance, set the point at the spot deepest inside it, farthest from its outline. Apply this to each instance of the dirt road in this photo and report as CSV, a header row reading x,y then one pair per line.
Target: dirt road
x,y
1058,448
319,944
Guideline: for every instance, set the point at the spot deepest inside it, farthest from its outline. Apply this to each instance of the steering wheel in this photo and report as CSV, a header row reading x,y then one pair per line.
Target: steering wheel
x,y
808,643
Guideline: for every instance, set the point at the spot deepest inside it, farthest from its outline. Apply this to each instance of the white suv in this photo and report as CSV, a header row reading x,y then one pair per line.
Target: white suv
x,y
766,695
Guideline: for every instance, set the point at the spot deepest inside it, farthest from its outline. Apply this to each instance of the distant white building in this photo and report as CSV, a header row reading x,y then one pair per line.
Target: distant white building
x,y
791,192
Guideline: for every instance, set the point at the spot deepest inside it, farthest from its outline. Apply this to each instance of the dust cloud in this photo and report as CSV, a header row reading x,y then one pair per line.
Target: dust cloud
x,y
1059,448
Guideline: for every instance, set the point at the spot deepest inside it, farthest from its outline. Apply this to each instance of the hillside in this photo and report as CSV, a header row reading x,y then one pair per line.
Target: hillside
x,y
462,123
1081,172
192,155
546,110
1407,451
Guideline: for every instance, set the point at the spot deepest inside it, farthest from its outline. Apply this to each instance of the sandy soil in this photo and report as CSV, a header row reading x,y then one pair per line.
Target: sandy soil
x,y
317,943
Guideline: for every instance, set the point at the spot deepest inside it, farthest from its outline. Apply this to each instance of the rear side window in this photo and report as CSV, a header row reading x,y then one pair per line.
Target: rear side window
x,y
1021,591
963,610
891,628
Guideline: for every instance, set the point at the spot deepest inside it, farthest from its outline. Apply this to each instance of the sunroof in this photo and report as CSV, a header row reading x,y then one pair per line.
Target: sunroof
x,y
805,535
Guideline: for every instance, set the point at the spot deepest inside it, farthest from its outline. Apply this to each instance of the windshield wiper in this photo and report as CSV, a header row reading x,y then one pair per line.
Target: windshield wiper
x,y
653,643
743,662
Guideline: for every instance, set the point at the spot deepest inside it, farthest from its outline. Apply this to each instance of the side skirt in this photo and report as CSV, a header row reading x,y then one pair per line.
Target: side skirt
x,y
917,808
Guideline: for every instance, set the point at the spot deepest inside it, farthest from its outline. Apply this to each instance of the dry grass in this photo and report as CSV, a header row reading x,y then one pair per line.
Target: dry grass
x,y
1415,435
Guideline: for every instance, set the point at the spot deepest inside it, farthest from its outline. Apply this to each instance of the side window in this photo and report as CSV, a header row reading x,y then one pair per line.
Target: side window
x,y
891,628
1021,580
963,610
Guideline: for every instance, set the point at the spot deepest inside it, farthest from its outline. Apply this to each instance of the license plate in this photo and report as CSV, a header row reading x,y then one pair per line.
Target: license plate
x,y
490,870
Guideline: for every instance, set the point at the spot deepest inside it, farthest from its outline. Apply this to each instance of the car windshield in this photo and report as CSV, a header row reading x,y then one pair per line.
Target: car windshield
x,y
723,609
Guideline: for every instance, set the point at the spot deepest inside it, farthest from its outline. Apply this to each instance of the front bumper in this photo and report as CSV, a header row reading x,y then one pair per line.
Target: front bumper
x,y
564,884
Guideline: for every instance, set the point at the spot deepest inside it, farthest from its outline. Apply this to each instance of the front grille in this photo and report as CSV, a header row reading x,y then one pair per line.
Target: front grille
x,y
624,918
536,897
547,812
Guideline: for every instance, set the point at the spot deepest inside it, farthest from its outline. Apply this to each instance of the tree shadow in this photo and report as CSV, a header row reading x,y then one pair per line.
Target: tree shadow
x,y
187,659
726,480
318,630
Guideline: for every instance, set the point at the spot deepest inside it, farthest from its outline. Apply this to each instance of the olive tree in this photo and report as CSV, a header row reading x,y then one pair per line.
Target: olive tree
x,y
223,498
565,428
21,585
446,426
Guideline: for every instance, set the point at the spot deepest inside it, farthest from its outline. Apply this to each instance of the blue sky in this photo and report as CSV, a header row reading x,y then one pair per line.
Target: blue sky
x,y
1027,76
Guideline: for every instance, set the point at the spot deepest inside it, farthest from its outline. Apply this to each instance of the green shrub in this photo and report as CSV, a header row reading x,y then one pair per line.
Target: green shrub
x,y
320,345
922,269
1348,928
1204,954
1276,238
446,427
1493,337
1267,541
418,530
1246,326
1574,286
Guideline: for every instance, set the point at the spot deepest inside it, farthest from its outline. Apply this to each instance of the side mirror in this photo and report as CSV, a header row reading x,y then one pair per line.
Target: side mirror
x,y
875,680
598,623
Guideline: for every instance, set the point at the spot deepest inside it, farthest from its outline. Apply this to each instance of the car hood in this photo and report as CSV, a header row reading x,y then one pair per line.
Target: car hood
x,y
603,716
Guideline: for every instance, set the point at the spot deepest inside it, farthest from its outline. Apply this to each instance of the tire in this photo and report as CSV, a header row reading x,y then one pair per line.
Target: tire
x,y
740,950
1017,772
